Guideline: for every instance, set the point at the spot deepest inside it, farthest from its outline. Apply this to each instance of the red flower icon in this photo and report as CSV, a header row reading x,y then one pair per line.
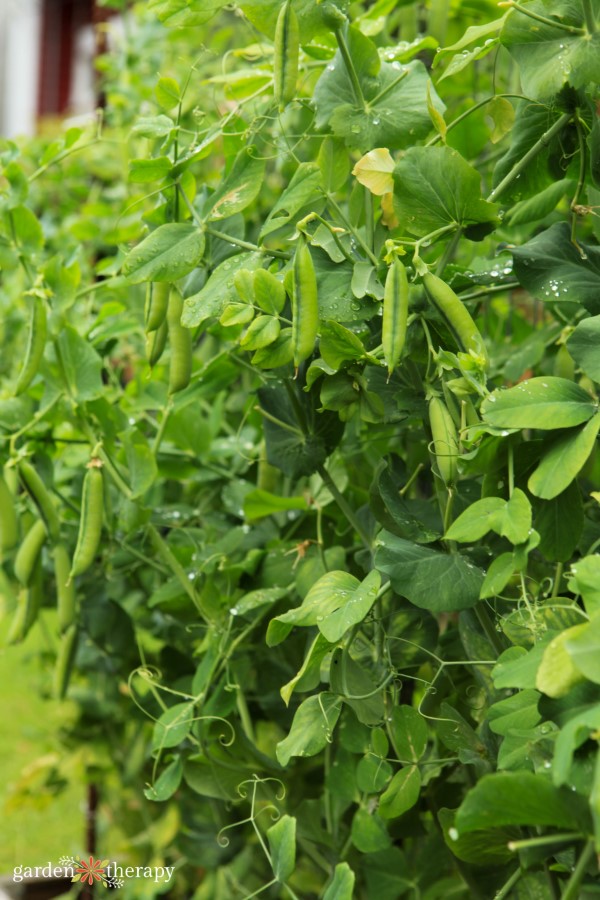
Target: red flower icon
x,y
90,871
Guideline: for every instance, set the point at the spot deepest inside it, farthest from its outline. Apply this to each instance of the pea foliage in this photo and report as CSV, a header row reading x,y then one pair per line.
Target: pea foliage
x,y
298,426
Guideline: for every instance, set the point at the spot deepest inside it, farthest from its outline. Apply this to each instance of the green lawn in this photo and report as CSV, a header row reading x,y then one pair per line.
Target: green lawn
x,y
38,823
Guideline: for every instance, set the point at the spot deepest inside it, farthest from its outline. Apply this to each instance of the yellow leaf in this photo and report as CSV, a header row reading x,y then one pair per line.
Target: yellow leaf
x,y
388,216
374,171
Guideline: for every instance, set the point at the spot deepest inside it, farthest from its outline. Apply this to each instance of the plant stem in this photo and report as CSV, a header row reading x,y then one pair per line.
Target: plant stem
x,y
492,289
472,109
544,839
489,630
571,892
347,224
506,888
554,23
343,505
448,252
557,577
245,245
588,14
522,164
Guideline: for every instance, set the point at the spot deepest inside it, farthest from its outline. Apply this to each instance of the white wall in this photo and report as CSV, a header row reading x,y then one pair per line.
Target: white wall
x,y
20,27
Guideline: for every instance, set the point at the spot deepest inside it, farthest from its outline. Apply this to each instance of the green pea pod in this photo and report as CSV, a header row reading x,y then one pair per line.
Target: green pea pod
x,y
286,53
457,316
305,304
36,342
29,552
157,303
38,492
155,344
90,524
24,616
64,662
180,340
395,314
9,526
445,440
65,588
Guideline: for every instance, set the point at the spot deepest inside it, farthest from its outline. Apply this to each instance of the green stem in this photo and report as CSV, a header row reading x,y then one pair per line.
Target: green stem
x,y
588,14
349,227
448,253
488,628
571,892
554,23
388,88
343,505
162,426
557,577
472,109
544,840
345,52
493,289
291,428
539,145
508,886
245,245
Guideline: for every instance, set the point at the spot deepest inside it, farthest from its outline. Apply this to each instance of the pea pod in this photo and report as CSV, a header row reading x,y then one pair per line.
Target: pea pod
x,y
64,662
286,53
65,588
24,616
9,526
180,340
157,302
395,314
457,316
155,344
29,552
445,440
36,342
305,304
38,492
90,525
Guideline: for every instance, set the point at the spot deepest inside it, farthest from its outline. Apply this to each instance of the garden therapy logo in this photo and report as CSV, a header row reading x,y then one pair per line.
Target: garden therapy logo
x,y
109,874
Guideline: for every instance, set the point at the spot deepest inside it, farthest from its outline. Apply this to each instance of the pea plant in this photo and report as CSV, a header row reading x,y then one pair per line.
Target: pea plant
x,y
298,428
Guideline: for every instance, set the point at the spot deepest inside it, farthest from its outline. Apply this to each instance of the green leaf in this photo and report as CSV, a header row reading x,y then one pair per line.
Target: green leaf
x,y
328,594
339,345
173,726
396,96
354,609
312,727
435,187
141,462
583,344
143,171
488,847
477,519
472,34
259,503
519,711
564,461
218,291
269,292
550,267
153,126
350,679
549,57
309,674
401,794
540,205
303,190
464,59
168,253
241,185
585,580
262,332
516,519
185,13
560,523
167,92
25,229
516,798
546,403
369,833
498,575
572,735
440,582
405,518
583,647
167,782
81,365
409,733
557,673
282,842
342,886
517,667
372,774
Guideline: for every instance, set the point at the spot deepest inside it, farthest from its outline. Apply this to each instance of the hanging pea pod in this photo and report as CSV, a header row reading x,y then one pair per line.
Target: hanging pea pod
x,y
395,314
29,552
157,302
65,588
38,492
155,344
36,342
90,524
445,440
286,54
25,614
305,304
64,662
180,341
457,316
9,526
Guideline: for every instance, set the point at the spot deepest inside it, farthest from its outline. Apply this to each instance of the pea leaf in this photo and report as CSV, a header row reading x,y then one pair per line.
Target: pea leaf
x,y
476,520
168,253
585,580
546,403
369,833
435,187
167,782
326,595
401,794
311,729
564,461
354,608
141,462
432,580
409,732
339,345
282,842
560,522
550,267
241,185
218,291
81,365
342,886
584,649
583,346
173,726
303,190
185,13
